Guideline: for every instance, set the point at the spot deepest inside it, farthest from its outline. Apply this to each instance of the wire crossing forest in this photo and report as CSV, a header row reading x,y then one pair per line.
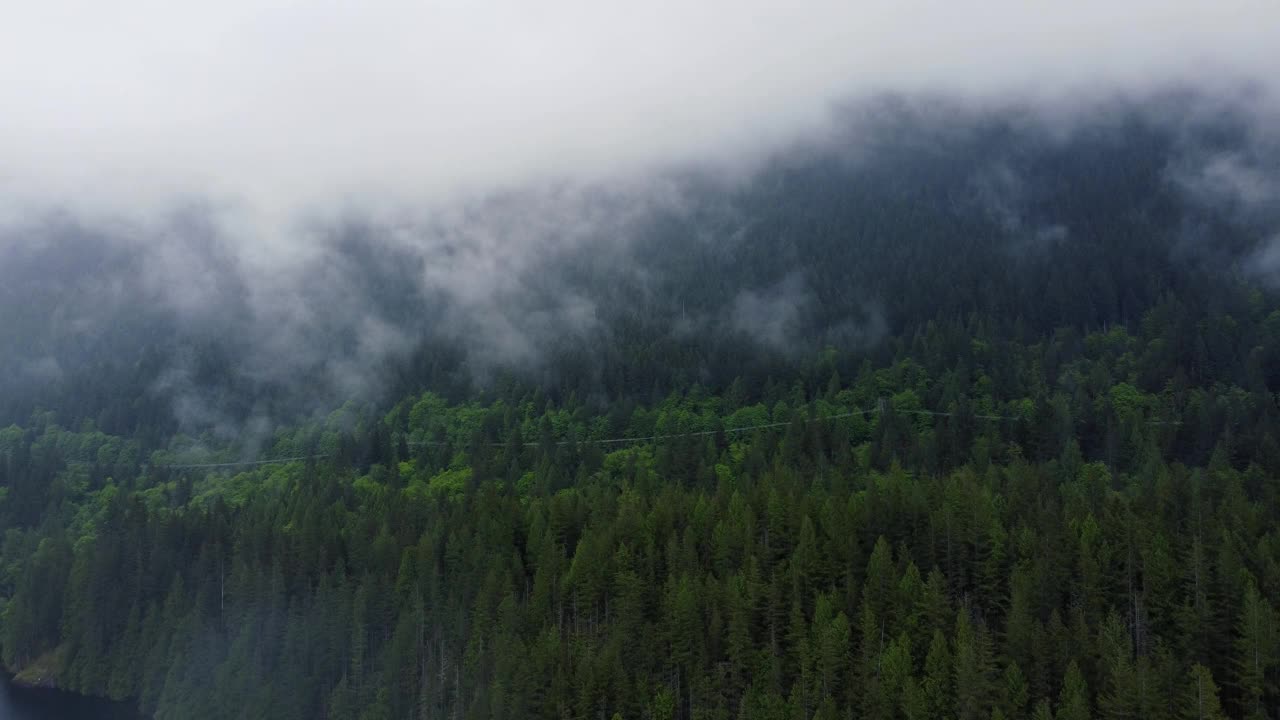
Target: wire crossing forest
x,y
1109,550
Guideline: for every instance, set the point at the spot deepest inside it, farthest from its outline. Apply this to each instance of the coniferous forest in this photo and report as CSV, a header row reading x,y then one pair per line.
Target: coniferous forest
x,y
983,423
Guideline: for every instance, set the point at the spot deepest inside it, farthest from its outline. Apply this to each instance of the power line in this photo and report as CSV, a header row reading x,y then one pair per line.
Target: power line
x,y
243,462
942,414
698,433
668,436
879,409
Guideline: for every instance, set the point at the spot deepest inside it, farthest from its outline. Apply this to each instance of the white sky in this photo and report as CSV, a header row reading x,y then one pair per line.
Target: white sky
x,y
275,104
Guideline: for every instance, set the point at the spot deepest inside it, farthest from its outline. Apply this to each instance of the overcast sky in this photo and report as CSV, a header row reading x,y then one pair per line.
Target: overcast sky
x,y
279,104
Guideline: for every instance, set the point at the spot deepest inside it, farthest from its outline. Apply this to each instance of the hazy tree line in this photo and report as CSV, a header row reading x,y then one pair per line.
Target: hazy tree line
x,y
897,220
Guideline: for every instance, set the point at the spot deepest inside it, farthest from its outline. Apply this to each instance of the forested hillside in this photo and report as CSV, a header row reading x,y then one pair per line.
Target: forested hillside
x,y
1090,531
964,419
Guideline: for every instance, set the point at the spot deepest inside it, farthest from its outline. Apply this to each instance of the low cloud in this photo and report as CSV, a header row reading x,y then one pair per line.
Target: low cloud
x,y
1234,182
302,195
772,316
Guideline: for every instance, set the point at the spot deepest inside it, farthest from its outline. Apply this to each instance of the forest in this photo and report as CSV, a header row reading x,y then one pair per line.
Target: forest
x,y
990,460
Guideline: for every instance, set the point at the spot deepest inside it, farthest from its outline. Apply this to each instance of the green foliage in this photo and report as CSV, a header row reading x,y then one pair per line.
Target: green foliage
x,y
1066,559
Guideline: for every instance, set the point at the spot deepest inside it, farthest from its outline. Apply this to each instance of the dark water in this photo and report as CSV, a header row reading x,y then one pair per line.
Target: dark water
x,y
25,704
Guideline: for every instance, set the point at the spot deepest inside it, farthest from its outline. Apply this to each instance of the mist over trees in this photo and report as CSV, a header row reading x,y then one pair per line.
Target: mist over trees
x,y
902,215
954,412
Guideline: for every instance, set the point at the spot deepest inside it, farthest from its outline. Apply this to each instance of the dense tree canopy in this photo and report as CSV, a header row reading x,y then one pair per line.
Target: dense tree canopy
x,y
1083,533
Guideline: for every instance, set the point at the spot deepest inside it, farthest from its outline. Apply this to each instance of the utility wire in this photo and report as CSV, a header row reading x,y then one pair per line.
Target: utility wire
x,y
942,414
701,433
669,436
243,462
648,438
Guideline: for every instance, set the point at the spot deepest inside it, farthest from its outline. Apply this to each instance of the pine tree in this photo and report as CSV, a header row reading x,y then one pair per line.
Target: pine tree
x,y
1073,701
1200,701
1256,652
1014,691
974,670
938,670
1120,697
